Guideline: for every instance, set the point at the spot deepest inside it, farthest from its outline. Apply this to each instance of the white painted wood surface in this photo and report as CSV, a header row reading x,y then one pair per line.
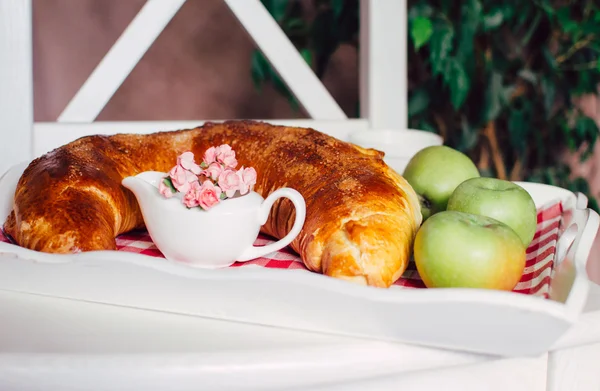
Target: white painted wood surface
x,y
383,63
575,363
575,369
16,83
287,61
79,345
120,60
49,135
523,374
587,329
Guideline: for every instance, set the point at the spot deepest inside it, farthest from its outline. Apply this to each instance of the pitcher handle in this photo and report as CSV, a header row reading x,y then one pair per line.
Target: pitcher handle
x,y
263,214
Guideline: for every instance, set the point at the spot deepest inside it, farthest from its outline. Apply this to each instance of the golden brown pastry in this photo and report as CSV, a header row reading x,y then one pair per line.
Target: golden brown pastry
x,y
361,216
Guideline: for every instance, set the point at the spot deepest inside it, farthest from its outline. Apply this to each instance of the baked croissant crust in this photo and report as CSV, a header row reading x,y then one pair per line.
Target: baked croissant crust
x,y
361,216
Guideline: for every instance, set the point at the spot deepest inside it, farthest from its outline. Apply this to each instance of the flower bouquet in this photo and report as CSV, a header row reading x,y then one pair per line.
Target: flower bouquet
x,y
206,184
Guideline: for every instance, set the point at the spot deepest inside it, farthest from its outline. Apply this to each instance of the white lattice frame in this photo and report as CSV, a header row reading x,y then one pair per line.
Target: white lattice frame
x,y
382,76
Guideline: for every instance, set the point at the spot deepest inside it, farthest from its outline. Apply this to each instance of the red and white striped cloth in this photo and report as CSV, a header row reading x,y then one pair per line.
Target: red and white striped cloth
x,y
535,279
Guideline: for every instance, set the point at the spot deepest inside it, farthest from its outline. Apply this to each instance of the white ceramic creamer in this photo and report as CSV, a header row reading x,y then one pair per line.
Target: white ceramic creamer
x,y
210,238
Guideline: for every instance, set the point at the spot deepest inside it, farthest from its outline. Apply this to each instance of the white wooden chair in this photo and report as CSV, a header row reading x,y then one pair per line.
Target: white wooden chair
x,y
383,76
383,103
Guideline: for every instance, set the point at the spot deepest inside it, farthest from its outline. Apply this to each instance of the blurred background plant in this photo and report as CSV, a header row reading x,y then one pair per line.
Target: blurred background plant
x,y
498,79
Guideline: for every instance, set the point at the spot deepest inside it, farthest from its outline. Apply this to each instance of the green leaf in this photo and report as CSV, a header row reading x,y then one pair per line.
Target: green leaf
x,y
523,15
494,98
549,58
597,16
593,203
598,65
528,75
426,126
584,84
567,131
494,19
418,101
531,28
563,15
277,8
421,9
548,89
169,183
579,184
458,81
307,56
587,27
470,17
468,136
324,39
294,23
507,93
548,8
448,6
421,31
587,133
440,47
260,69
581,127
519,128
337,6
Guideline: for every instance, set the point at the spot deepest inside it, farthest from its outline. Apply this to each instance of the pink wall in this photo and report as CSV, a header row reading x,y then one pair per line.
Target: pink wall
x,y
199,67
590,170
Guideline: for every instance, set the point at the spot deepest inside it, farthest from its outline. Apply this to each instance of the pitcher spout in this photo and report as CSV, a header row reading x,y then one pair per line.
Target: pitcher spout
x,y
144,185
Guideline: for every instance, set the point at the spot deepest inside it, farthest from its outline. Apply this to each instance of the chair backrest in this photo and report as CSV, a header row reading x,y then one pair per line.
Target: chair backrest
x,y
383,77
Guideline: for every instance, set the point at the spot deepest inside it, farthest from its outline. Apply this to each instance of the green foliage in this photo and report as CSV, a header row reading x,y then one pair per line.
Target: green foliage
x,y
335,22
497,78
421,30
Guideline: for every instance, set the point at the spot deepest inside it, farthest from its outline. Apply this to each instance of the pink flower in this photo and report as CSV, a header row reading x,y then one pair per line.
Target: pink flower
x,y
191,198
226,155
186,160
229,182
165,190
247,179
210,155
213,171
209,195
182,178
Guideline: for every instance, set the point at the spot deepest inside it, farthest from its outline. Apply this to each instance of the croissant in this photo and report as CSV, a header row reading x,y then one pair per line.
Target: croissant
x,y
361,216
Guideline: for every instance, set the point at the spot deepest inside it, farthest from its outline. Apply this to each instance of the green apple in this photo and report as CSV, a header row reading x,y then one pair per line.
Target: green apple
x,y
462,250
499,199
434,172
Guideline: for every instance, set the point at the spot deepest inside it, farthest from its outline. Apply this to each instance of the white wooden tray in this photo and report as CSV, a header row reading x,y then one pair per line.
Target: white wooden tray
x,y
481,321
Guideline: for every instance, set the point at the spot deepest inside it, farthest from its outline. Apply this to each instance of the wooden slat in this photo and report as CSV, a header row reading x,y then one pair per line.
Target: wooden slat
x,y
16,86
383,68
286,60
120,60
49,135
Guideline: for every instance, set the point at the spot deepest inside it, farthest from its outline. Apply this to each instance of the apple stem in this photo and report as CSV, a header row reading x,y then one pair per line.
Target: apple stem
x,y
424,202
